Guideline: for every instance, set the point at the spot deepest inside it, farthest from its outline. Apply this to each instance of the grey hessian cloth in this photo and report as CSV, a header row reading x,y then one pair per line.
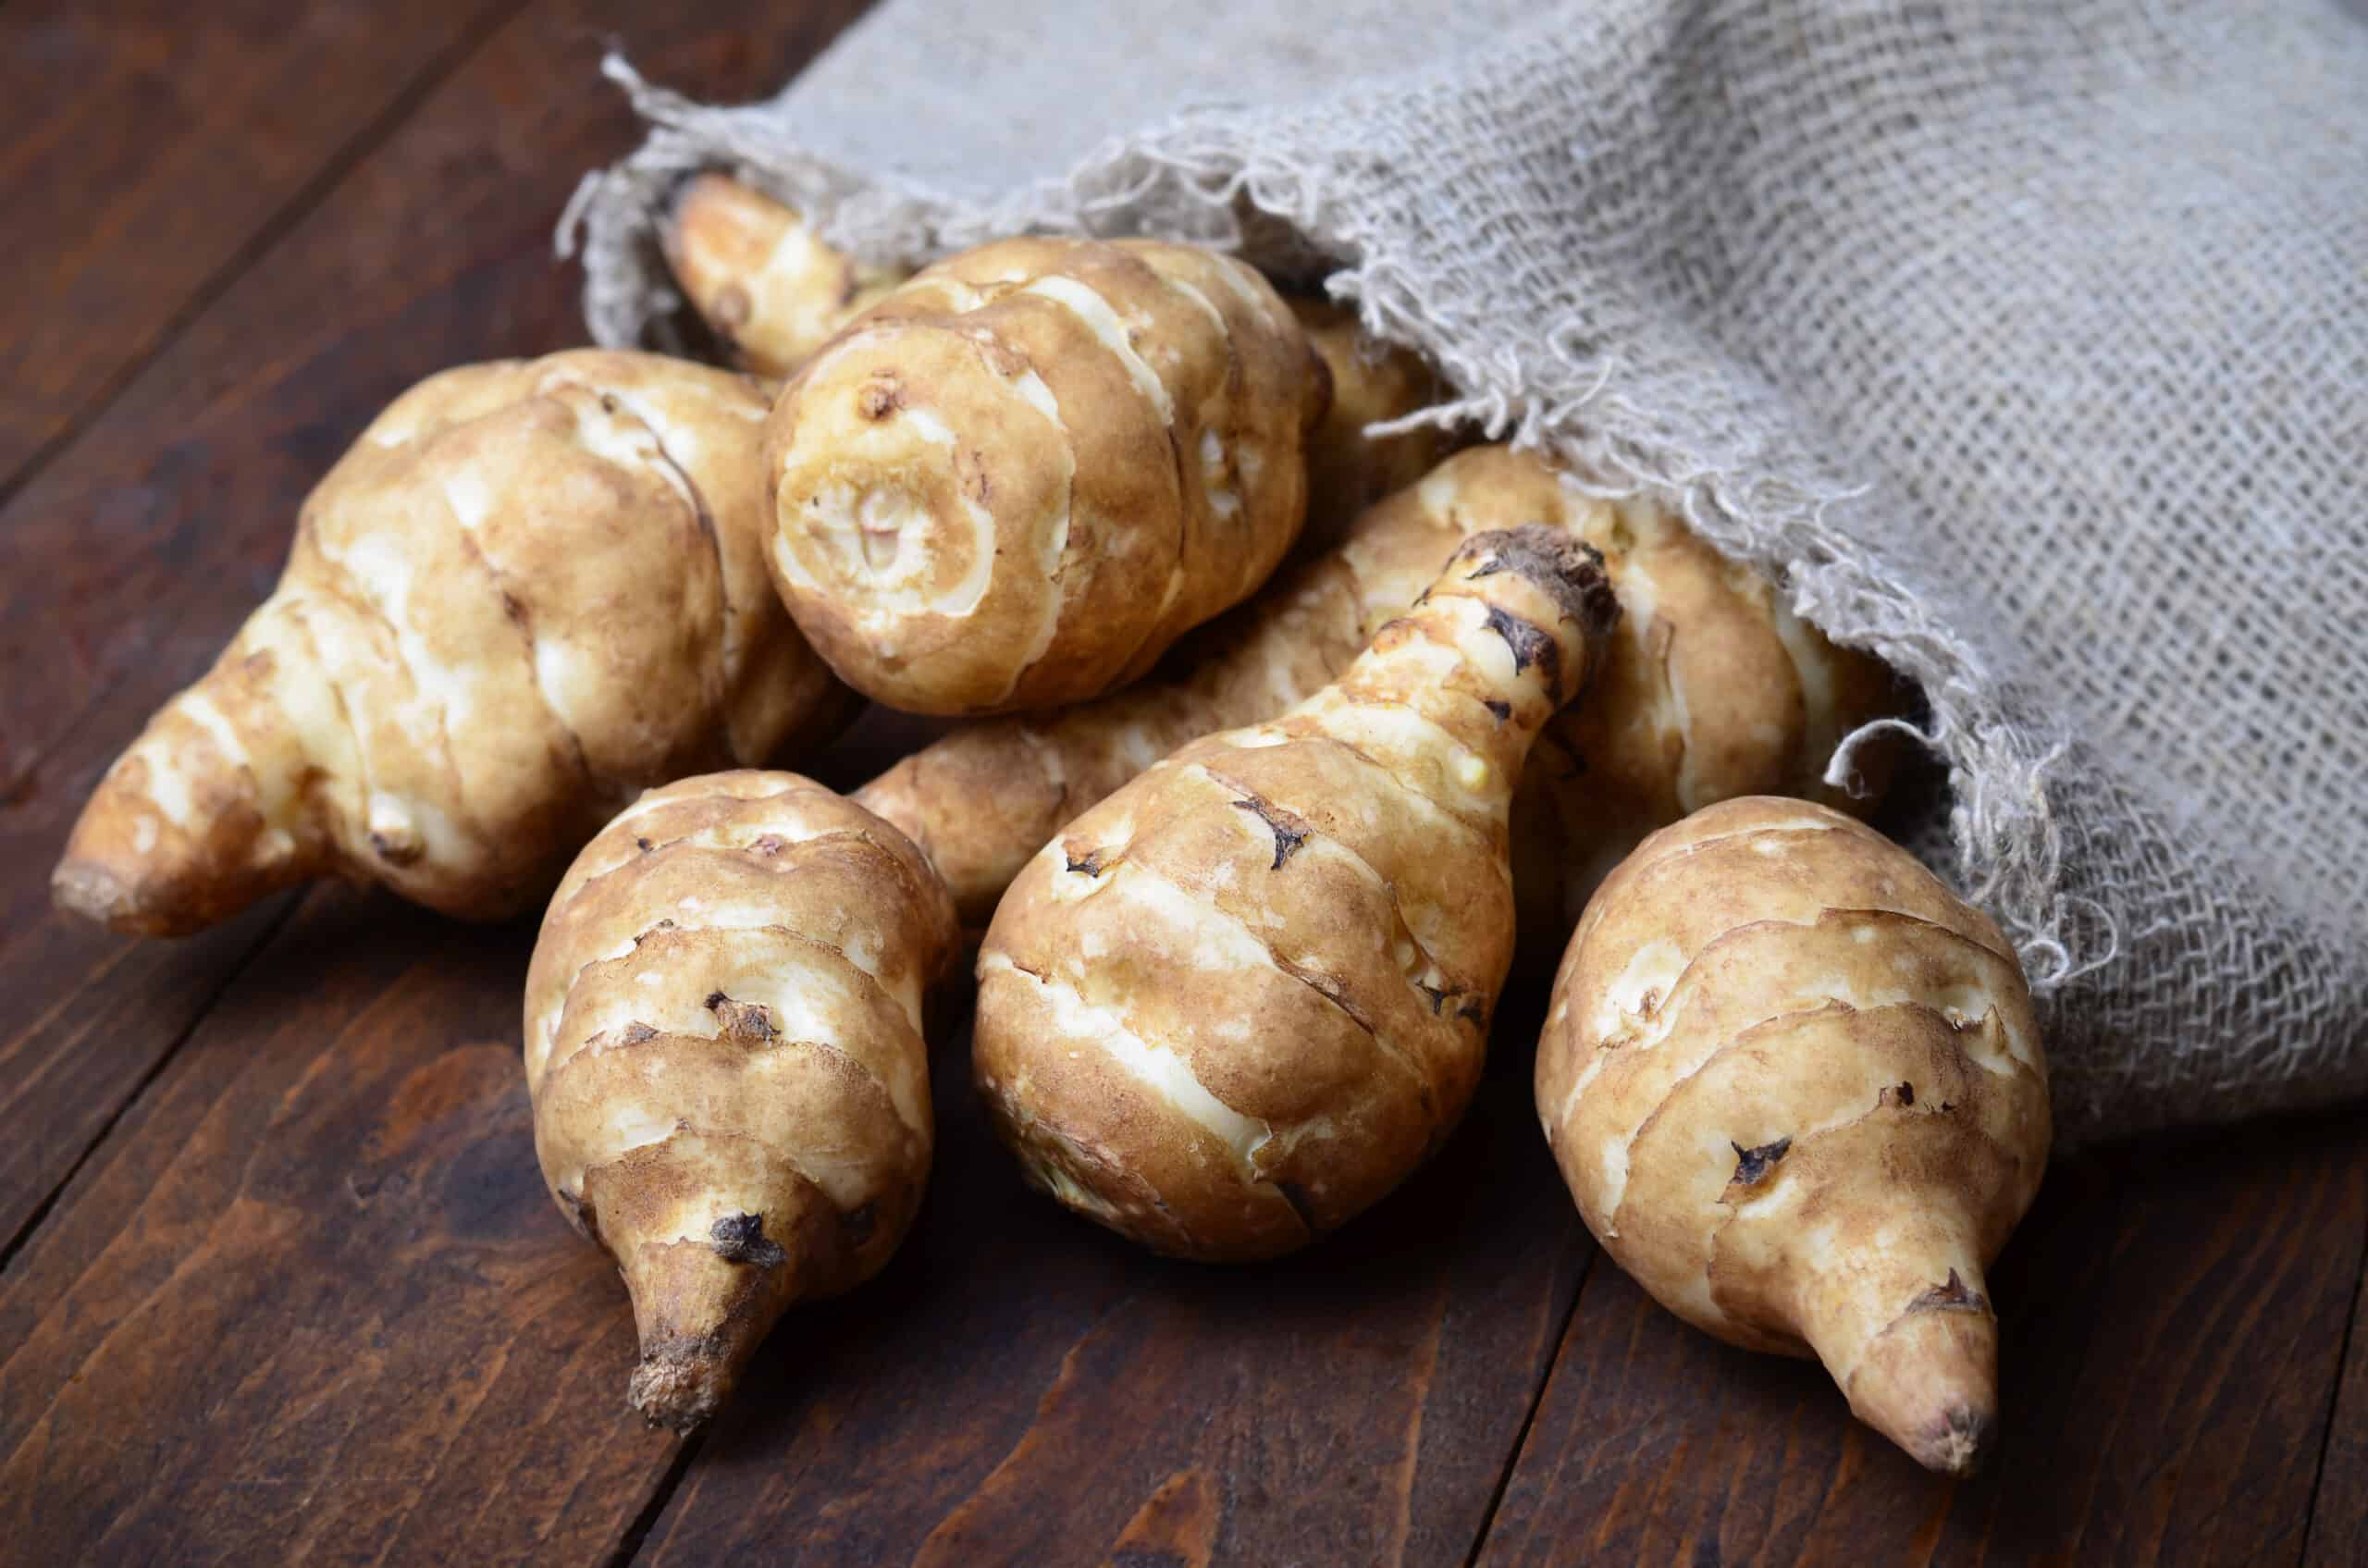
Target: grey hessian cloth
x,y
2027,339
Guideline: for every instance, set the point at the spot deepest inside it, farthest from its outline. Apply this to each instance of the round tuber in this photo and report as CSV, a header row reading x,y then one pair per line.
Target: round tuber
x,y
724,1047
1795,1086
1021,477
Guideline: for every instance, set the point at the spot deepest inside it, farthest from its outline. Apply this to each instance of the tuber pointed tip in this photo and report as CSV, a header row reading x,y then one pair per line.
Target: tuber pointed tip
x,y
702,1307
128,906
81,887
680,1384
1958,1444
1930,1383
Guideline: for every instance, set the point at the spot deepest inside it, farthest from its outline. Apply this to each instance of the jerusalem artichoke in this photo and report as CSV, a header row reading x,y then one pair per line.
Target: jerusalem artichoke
x,y
1710,688
1016,480
724,1047
1237,1002
1795,1086
769,290
529,589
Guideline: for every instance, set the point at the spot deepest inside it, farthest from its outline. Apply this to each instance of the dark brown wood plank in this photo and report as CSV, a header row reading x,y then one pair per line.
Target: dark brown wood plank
x,y
2173,1316
311,1299
134,555
1019,1386
145,145
2339,1535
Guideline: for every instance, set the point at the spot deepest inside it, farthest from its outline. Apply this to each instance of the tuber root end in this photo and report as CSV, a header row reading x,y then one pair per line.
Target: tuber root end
x,y
680,1384
1930,1383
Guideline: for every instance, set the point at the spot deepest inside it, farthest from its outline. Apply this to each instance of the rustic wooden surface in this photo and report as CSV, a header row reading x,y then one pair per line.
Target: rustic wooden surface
x,y
281,1283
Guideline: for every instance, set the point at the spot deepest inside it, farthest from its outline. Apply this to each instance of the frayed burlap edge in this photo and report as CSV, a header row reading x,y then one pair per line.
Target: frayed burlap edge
x,y
1198,178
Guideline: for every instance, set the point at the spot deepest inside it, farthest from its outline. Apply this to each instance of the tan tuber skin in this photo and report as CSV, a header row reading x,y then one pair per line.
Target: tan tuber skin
x,y
725,1045
1236,1003
1795,1086
770,291
530,590
773,294
1018,479
1710,688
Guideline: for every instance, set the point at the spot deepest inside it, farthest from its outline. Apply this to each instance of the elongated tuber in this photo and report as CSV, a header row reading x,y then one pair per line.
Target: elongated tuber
x,y
1239,1001
1795,1086
1023,475
1710,688
725,1045
769,290
528,590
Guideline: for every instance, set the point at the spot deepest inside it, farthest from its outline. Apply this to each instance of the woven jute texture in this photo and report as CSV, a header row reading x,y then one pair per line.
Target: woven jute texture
x,y
2028,340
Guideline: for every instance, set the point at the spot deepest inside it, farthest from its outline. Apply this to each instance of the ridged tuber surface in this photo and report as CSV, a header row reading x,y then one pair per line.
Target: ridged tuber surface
x,y
769,290
724,1045
528,590
1018,479
773,294
1239,1001
1710,687
1795,1086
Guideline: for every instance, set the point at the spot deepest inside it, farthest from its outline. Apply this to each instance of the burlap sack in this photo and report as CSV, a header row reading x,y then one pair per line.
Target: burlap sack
x,y
2029,338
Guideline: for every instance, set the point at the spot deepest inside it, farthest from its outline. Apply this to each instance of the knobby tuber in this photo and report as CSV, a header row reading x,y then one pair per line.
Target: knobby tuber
x,y
1710,688
1237,1002
1795,1086
1019,478
724,1046
772,293
528,590
766,286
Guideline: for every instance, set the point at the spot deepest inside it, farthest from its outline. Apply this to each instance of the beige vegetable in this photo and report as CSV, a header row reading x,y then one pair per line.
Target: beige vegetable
x,y
1710,688
530,588
770,291
1795,1084
724,1043
1239,1001
1019,478
1372,383
773,294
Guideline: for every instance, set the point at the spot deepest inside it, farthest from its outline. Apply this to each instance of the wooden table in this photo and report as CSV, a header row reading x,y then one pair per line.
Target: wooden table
x,y
281,1280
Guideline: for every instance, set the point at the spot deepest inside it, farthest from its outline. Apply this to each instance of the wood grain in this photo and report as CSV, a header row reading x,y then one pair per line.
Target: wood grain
x,y
143,155
1020,1387
2174,1318
2339,1532
311,1299
162,524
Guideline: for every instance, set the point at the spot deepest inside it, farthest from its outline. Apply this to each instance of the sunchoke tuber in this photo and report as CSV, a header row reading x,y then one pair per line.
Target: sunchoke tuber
x,y
1710,688
771,293
1240,1000
528,590
724,1046
1795,1086
766,286
1021,477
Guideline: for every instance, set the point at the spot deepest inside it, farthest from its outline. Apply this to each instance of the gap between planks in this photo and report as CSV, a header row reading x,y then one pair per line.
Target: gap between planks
x,y
38,1214
367,139
2336,1386
1537,1401
307,195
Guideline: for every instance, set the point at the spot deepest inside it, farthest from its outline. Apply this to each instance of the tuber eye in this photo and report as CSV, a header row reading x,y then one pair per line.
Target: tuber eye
x,y
1752,1166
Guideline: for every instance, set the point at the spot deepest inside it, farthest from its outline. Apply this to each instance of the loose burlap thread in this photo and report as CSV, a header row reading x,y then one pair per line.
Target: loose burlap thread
x,y
2026,339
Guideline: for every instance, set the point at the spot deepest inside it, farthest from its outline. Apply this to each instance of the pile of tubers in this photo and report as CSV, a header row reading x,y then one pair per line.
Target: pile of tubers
x,y
1284,733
